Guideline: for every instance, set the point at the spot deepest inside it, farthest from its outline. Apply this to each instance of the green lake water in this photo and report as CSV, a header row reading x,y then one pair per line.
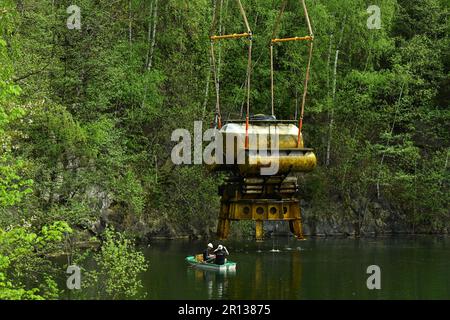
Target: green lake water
x,y
285,268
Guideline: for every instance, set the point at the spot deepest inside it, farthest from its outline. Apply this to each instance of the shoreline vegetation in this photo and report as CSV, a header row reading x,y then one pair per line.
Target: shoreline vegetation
x,y
86,116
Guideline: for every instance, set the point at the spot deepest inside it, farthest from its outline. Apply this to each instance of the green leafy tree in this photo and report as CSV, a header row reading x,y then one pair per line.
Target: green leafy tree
x,y
118,268
13,187
25,271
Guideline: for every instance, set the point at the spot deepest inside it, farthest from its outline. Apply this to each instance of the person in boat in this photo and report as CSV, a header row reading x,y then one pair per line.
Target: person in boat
x,y
221,252
208,254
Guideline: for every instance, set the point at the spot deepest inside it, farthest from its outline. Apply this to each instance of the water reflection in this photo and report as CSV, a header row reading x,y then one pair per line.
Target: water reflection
x,y
296,265
278,274
215,283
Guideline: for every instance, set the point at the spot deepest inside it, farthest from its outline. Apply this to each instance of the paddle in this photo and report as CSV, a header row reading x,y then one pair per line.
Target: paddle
x,y
210,260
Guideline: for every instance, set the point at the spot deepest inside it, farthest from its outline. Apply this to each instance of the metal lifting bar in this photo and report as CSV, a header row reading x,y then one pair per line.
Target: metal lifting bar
x,y
307,38
231,36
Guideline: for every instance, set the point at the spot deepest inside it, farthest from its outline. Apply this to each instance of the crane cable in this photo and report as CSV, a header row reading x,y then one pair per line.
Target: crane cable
x,y
217,117
274,32
305,87
309,38
247,35
249,70
217,85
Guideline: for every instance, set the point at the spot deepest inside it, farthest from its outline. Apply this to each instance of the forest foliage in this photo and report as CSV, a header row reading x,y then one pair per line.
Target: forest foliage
x,y
86,115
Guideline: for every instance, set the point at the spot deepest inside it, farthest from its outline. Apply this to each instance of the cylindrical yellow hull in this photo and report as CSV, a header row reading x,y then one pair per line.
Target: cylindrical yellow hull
x,y
283,163
270,144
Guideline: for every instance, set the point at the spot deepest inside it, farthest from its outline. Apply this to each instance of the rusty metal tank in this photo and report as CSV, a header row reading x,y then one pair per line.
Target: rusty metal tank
x,y
269,140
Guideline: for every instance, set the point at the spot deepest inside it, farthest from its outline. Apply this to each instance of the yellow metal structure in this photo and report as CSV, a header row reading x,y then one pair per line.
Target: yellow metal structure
x,y
248,195
307,38
259,200
231,36
250,147
289,160
263,151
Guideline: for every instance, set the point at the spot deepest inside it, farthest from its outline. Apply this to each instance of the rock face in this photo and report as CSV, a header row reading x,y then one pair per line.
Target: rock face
x,y
372,220
138,226
362,219
358,220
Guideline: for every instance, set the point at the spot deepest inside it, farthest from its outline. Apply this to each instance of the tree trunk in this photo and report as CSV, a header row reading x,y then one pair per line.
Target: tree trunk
x,y
328,91
208,80
129,22
151,40
391,131
152,48
149,36
331,116
330,125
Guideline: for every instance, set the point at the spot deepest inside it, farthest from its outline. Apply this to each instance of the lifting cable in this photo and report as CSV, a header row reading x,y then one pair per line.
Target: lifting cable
x,y
309,38
217,117
214,38
275,31
249,70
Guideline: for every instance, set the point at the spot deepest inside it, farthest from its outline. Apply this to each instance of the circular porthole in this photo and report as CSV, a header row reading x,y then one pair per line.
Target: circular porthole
x,y
273,210
260,210
285,210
